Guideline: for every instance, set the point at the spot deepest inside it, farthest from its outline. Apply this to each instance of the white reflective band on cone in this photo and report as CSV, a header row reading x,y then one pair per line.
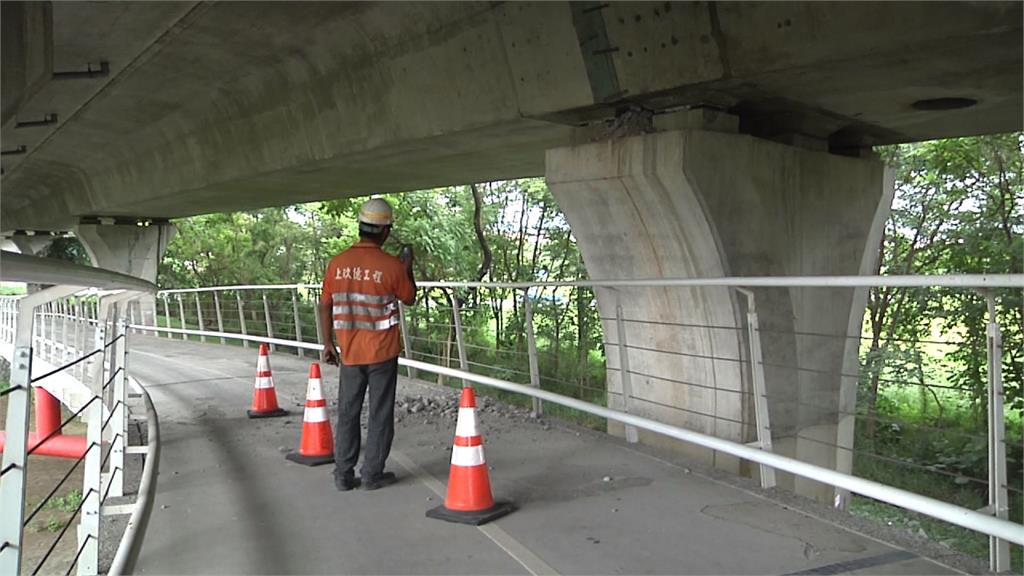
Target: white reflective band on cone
x,y
465,426
315,414
262,365
264,382
467,455
314,392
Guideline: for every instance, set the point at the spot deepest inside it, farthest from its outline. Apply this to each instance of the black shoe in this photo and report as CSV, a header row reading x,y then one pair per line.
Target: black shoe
x,y
380,480
346,483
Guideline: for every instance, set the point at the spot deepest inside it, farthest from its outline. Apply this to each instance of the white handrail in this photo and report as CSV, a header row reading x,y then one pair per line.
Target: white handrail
x,y
964,517
907,281
131,541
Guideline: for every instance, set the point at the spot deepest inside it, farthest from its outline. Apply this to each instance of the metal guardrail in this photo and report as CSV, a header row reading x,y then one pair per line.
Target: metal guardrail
x,y
439,296
970,519
131,542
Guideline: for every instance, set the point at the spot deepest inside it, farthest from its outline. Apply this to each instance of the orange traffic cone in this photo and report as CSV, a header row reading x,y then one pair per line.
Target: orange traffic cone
x,y
317,445
469,499
264,399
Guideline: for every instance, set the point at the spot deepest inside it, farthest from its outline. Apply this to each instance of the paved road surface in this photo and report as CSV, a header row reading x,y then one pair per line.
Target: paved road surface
x,y
228,501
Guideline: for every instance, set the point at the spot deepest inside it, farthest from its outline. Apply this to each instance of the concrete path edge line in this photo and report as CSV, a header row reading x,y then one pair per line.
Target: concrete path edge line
x,y
520,553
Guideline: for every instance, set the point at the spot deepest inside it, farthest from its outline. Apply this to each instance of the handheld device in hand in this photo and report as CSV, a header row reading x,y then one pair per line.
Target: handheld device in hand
x,y
405,253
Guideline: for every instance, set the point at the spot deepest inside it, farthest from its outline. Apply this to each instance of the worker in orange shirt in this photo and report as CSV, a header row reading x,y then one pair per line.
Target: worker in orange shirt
x,y
361,291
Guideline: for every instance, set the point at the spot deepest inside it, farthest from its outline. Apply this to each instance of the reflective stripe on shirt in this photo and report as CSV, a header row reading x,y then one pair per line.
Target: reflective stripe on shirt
x,y
359,297
363,325
385,310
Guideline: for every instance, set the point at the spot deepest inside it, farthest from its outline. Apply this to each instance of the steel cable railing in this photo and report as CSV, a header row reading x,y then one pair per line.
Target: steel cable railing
x,y
60,329
487,328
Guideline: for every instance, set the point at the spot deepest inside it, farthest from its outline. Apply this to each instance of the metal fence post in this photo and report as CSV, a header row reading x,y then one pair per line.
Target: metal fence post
x,y
998,497
460,342
49,334
632,436
12,487
199,315
241,319
404,327
761,422
81,328
531,348
65,340
131,312
220,315
266,315
316,319
181,310
298,324
119,416
92,482
167,315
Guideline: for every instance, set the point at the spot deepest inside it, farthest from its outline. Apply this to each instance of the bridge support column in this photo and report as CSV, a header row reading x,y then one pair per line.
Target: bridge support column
x,y
129,249
694,203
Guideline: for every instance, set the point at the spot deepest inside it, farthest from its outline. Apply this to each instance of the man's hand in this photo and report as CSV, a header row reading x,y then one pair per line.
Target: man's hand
x,y
329,355
405,255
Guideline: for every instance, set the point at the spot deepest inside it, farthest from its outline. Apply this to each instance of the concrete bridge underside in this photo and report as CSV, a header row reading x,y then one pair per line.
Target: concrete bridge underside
x,y
225,106
681,139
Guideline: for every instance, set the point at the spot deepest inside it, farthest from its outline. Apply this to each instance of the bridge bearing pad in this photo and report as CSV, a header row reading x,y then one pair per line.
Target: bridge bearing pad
x,y
475,518
309,460
270,414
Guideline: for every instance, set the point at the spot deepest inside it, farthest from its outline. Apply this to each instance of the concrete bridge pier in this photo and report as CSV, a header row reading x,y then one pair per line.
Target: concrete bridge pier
x,y
130,249
697,203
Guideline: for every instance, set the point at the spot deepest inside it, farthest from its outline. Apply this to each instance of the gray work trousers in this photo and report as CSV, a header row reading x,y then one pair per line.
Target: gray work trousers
x,y
381,379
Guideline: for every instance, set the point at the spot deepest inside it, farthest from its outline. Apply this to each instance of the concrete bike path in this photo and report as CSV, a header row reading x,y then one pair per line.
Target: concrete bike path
x,y
230,503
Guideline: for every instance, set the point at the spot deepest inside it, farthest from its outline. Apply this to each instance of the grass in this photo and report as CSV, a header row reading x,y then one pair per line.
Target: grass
x,y
945,450
67,503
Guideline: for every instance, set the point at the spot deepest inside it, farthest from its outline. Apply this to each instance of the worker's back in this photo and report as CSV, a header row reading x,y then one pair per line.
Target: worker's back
x,y
365,285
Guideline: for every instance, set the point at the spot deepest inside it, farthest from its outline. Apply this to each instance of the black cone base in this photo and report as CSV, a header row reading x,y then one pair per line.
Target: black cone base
x,y
475,518
309,460
270,414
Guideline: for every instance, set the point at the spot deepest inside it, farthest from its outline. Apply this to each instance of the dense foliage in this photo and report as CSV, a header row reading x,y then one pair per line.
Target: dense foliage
x,y
958,209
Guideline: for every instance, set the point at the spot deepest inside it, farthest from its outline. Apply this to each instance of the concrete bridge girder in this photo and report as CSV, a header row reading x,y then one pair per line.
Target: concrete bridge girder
x,y
240,105
703,204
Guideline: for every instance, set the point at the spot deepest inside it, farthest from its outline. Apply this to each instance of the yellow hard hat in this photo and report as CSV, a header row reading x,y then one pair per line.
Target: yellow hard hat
x,y
376,212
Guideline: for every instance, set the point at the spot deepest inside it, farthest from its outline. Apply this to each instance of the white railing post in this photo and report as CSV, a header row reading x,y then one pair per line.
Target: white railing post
x,y
316,316
404,327
92,479
298,324
50,334
199,316
81,329
119,415
167,316
131,312
65,340
241,318
762,424
531,349
460,342
625,377
998,497
266,316
181,310
12,486
220,315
